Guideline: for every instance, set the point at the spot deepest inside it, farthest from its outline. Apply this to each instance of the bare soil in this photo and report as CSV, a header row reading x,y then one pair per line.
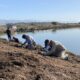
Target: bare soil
x,y
17,63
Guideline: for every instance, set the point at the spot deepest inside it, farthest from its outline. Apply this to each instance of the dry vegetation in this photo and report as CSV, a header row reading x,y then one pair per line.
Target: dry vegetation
x,y
24,27
44,25
17,63
2,29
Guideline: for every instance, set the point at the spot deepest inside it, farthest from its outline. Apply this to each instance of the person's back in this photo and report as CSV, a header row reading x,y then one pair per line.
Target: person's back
x,y
8,32
59,49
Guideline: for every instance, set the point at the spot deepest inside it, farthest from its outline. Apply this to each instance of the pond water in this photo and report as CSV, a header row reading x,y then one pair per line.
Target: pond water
x,y
68,37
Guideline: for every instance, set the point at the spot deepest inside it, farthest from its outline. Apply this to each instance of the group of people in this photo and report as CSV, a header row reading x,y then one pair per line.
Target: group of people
x,y
51,48
29,41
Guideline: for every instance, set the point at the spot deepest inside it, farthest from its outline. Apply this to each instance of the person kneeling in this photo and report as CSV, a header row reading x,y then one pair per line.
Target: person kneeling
x,y
56,50
29,41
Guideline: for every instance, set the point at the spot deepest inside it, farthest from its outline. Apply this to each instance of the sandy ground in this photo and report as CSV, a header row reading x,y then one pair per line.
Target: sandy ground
x,y
17,63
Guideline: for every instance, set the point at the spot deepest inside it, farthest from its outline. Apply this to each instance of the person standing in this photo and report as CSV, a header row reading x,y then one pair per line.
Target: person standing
x,y
8,32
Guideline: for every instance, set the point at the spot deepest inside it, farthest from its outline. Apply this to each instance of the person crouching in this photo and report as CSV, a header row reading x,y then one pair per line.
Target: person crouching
x,y
29,41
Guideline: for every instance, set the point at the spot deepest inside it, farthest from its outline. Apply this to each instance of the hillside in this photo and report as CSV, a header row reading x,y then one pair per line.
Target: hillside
x,y
17,63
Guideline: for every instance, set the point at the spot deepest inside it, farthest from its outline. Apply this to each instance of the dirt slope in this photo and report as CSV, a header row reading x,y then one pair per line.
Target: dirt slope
x,y
22,64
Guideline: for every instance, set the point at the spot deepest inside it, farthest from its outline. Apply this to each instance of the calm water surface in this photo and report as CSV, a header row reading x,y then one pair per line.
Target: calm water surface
x,y
68,37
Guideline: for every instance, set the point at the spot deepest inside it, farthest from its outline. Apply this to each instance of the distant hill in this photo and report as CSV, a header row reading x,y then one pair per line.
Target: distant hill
x,y
14,21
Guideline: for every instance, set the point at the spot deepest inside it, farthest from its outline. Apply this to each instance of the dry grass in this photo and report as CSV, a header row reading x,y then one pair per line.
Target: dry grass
x,y
17,63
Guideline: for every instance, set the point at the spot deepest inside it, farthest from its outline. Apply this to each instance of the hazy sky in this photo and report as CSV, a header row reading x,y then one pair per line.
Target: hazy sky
x,y
41,10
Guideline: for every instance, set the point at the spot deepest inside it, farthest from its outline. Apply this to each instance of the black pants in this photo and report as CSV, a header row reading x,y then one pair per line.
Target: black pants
x,y
9,37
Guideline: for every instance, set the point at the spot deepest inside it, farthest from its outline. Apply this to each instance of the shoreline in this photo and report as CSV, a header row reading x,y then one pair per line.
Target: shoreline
x,y
31,27
36,27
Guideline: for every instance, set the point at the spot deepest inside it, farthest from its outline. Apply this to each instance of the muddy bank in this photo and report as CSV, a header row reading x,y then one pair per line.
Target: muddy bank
x,y
17,63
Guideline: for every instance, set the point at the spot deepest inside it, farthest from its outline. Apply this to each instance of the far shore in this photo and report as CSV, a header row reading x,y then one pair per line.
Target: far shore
x,y
31,27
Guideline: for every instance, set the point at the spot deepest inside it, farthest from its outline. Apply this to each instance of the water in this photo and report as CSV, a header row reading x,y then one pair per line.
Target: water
x,y
68,37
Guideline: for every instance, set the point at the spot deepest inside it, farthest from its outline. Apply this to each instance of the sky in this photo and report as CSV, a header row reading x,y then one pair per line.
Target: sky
x,y
40,10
